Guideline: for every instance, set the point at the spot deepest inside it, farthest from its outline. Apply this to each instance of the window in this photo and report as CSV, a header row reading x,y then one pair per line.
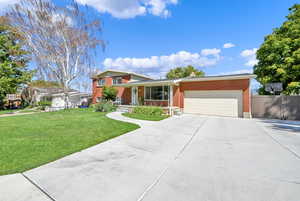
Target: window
x,y
118,101
101,82
98,99
148,93
117,80
157,93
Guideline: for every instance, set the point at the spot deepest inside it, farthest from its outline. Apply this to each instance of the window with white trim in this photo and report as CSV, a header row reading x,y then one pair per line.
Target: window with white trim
x,y
157,93
101,82
117,80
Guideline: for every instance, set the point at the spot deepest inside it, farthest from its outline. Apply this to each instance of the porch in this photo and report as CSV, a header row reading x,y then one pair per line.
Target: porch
x,y
149,93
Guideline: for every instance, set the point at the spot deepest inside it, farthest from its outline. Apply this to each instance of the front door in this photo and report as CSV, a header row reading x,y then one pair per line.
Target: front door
x,y
134,95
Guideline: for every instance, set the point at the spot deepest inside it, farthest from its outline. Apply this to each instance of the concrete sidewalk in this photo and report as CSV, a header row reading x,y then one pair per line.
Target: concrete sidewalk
x,y
186,158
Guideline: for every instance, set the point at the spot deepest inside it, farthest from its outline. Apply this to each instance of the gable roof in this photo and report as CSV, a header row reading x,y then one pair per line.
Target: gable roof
x,y
123,72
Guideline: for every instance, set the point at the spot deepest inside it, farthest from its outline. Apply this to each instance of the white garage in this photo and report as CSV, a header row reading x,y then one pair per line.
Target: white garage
x,y
214,102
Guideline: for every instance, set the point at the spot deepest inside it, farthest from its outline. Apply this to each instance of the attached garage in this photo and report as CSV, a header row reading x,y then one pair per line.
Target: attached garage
x,y
214,102
226,95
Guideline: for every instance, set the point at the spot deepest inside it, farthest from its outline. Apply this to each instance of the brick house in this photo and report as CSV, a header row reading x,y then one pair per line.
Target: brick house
x,y
115,78
226,95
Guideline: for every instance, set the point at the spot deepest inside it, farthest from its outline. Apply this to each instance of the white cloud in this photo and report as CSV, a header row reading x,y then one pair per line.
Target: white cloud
x,y
228,45
62,17
207,52
131,8
5,3
159,65
250,56
249,52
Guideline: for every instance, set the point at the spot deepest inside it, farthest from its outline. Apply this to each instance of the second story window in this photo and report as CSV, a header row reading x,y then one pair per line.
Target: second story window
x,y
101,82
117,80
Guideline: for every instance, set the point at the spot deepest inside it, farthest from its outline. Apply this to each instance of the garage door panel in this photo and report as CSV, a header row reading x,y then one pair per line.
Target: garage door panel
x,y
223,103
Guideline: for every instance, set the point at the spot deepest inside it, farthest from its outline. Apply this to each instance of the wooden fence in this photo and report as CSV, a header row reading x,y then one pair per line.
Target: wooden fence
x,y
276,107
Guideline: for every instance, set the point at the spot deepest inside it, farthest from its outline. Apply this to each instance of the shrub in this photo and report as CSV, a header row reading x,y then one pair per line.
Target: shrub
x,y
105,107
148,110
109,93
44,104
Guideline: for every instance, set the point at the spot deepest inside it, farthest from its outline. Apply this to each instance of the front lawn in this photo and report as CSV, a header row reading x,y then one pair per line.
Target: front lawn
x,y
29,141
146,117
7,111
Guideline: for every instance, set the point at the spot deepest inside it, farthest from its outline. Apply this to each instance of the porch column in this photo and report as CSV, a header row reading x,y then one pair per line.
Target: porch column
x,y
171,95
170,100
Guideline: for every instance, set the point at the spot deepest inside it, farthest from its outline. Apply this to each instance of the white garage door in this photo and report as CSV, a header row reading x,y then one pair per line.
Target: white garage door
x,y
222,103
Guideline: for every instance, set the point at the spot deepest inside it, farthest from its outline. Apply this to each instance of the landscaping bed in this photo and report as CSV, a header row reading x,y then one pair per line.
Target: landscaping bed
x,y
150,113
29,141
145,117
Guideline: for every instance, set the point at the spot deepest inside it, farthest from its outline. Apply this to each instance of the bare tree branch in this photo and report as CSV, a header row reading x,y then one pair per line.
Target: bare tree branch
x,y
61,39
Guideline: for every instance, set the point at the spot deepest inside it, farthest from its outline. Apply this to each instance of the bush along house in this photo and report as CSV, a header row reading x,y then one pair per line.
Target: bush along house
x,y
225,95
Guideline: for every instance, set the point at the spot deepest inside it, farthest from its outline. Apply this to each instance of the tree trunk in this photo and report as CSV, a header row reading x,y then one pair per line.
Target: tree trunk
x,y
67,98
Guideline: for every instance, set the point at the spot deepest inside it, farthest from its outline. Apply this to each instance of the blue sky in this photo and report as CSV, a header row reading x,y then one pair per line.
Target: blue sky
x,y
153,36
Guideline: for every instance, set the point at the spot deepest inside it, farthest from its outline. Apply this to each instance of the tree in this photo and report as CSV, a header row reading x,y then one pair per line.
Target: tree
x,y
13,59
44,84
279,55
109,93
61,39
181,72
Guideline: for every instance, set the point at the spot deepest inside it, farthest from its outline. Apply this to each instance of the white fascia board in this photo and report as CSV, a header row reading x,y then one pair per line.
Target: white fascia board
x,y
212,78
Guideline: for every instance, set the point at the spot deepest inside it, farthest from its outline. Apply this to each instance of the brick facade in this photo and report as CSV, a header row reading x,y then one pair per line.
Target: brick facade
x,y
178,91
124,93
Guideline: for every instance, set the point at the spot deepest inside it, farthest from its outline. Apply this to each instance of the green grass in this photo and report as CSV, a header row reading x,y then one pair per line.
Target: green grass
x,y
145,117
7,111
29,141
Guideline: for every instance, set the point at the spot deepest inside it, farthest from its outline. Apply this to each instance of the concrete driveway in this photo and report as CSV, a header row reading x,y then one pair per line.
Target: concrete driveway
x,y
186,158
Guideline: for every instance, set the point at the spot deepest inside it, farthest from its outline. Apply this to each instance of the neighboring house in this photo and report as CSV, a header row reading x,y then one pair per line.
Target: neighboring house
x,y
54,94
75,99
226,95
13,101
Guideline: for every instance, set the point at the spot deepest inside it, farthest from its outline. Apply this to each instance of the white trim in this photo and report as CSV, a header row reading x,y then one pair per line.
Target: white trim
x,y
212,78
171,95
125,72
117,78
101,85
150,84
134,96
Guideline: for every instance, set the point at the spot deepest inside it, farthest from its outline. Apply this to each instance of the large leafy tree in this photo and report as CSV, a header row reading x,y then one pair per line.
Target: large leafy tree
x,y
13,60
279,55
181,72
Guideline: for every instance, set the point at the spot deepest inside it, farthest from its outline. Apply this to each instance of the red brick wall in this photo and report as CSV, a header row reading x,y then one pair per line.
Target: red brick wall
x,y
176,96
123,92
242,84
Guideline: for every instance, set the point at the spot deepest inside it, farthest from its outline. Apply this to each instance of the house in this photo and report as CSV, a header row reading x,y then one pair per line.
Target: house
x,y
115,78
55,95
13,101
76,99
225,95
